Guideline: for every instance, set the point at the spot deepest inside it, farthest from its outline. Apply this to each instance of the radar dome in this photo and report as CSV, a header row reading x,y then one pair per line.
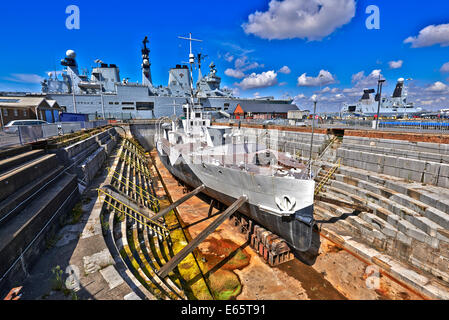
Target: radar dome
x,y
70,54
401,80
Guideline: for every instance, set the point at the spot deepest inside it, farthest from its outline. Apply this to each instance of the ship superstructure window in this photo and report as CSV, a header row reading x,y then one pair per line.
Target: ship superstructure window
x,y
128,103
144,105
5,112
127,108
24,113
16,113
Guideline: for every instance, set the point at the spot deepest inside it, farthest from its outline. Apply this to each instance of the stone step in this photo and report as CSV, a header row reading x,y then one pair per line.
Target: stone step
x,y
17,160
435,198
409,198
128,256
354,222
115,244
156,284
17,234
434,156
414,223
17,201
382,217
11,152
15,179
132,245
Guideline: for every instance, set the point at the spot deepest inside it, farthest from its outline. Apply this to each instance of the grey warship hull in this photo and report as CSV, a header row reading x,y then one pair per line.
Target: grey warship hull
x,y
292,228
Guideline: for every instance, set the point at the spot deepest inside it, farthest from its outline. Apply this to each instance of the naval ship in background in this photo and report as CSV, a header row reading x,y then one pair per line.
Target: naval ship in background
x,y
104,94
396,105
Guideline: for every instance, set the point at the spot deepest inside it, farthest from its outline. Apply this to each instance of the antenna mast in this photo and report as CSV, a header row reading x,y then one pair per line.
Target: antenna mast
x,y
191,58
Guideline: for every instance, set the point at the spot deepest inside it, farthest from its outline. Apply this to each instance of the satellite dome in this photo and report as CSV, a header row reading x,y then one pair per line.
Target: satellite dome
x,y
50,74
401,80
70,54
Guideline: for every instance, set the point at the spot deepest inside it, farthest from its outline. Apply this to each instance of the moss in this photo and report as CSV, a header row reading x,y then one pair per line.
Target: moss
x,y
225,285
76,213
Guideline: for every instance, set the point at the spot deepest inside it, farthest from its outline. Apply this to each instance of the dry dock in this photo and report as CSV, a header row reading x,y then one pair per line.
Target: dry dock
x,y
381,210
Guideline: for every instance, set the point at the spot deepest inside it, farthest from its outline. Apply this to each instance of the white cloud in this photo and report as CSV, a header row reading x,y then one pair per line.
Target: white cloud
x,y
283,84
323,78
300,96
285,70
244,64
311,19
431,35
396,64
237,49
234,73
228,57
437,87
359,79
445,68
241,65
24,78
261,80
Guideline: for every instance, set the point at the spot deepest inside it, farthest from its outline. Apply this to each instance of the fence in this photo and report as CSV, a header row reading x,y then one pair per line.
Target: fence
x,y
28,134
440,125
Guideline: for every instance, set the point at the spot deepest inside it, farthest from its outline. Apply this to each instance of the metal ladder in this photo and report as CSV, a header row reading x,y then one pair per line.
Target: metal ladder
x,y
327,176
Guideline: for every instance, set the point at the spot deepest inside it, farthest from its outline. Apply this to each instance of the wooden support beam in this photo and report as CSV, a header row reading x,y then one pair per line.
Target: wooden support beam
x,y
178,202
342,203
170,265
128,201
211,207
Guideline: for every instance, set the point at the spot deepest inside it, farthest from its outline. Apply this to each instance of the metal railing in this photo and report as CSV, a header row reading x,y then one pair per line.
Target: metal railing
x,y
144,220
435,125
34,133
327,176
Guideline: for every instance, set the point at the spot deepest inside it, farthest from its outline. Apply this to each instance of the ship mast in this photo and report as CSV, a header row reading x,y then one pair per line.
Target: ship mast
x,y
146,65
191,62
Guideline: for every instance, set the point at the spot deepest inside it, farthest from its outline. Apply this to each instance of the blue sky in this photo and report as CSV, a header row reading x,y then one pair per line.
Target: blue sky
x,y
320,36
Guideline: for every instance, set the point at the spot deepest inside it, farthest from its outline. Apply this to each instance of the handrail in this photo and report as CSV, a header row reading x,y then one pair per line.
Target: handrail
x,y
118,176
327,177
320,156
145,220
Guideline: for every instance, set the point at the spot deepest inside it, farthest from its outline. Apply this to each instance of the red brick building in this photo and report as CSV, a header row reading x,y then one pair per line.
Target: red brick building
x,y
264,111
26,107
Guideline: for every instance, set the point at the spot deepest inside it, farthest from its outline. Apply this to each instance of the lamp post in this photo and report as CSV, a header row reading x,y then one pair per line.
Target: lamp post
x,y
379,92
314,99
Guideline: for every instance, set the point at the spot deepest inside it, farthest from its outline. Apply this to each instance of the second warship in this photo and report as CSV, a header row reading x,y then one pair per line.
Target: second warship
x,y
396,105
104,94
